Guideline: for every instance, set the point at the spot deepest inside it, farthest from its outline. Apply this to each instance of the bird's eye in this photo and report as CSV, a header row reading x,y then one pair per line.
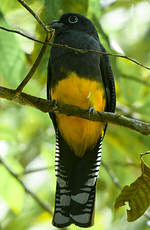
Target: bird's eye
x,y
73,19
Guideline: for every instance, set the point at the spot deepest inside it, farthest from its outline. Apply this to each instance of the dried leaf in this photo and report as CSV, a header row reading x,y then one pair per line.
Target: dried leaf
x,y
137,195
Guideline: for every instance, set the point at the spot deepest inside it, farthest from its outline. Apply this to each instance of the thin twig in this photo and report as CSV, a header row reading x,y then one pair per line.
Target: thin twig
x,y
22,34
34,67
146,83
33,171
125,164
43,205
75,49
111,174
130,59
70,110
23,3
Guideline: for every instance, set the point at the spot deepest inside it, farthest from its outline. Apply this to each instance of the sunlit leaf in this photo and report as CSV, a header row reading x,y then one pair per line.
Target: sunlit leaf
x,y
12,59
137,195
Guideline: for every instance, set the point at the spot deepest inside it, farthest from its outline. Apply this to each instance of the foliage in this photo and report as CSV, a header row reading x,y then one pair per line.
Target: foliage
x,y
27,138
137,194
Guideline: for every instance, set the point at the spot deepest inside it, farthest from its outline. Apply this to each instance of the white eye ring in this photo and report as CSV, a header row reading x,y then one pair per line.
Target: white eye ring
x,y
73,19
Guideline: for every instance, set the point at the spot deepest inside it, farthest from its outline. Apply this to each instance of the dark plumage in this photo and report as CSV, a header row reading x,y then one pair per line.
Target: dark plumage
x,y
85,80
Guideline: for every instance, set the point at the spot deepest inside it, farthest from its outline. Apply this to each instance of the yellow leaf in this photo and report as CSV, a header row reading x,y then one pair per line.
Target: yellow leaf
x,y
137,195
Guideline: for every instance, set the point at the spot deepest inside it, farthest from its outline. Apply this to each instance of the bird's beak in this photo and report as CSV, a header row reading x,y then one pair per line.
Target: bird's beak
x,y
56,24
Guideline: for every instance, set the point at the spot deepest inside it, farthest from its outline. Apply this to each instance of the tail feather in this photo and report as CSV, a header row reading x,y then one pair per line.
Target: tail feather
x,y
76,185
83,203
82,207
61,216
77,209
62,206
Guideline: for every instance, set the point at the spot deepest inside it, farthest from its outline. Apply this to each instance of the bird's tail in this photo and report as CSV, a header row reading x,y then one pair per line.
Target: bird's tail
x,y
76,186
74,208
61,216
82,207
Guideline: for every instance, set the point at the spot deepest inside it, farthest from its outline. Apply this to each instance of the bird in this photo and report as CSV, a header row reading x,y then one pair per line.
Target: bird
x,y
83,79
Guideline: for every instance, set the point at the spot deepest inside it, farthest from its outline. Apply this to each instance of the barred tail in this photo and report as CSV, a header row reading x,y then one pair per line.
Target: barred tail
x,y
61,216
82,207
74,208
76,185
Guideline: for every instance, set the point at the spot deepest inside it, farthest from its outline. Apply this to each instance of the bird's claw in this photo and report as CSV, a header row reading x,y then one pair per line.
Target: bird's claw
x,y
55,104
92,111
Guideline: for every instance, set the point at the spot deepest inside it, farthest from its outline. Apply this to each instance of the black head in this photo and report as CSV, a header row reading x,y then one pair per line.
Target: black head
x,y
74,21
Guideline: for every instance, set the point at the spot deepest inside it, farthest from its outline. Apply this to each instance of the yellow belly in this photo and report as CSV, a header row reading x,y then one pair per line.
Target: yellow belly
x,y
79,133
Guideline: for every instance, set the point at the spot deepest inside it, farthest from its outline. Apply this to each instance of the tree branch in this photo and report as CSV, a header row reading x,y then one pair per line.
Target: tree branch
x,y
146,83
70,110
112,176
125,164
75,49
22,34
24,4
33,171
43,205
35,65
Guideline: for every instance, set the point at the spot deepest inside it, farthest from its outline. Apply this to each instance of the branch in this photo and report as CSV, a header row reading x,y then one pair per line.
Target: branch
x,y
75,49
34,171
22,34
125,164
70,110
146,83
35,65
24,4
43,205
112,176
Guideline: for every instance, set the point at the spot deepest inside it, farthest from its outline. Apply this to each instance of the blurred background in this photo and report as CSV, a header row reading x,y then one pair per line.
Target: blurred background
x,y
27,140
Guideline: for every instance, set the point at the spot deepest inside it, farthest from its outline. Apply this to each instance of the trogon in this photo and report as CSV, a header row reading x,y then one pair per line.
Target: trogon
x,y
83,79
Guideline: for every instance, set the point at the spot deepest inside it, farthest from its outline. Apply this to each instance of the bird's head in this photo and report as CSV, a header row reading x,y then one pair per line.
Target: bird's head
x,y
75,22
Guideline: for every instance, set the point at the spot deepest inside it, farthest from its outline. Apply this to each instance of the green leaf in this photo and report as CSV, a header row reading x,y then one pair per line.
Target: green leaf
x,y
12,58
137,195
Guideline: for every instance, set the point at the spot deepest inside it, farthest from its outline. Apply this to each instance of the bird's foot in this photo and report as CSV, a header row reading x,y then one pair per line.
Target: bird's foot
x,y
92,111
54,104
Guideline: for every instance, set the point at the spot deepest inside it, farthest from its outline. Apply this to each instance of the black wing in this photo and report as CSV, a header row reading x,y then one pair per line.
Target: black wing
x,y
49,76
109,84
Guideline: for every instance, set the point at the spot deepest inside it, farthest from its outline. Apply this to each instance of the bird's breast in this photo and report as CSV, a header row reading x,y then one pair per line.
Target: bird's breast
x,y
79,133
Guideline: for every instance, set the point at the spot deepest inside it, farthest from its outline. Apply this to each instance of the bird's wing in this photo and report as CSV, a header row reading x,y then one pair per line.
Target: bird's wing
x,y
108,79
49,76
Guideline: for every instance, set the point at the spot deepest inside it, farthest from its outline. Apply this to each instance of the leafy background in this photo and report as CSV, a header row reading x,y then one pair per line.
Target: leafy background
x,y
27,138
